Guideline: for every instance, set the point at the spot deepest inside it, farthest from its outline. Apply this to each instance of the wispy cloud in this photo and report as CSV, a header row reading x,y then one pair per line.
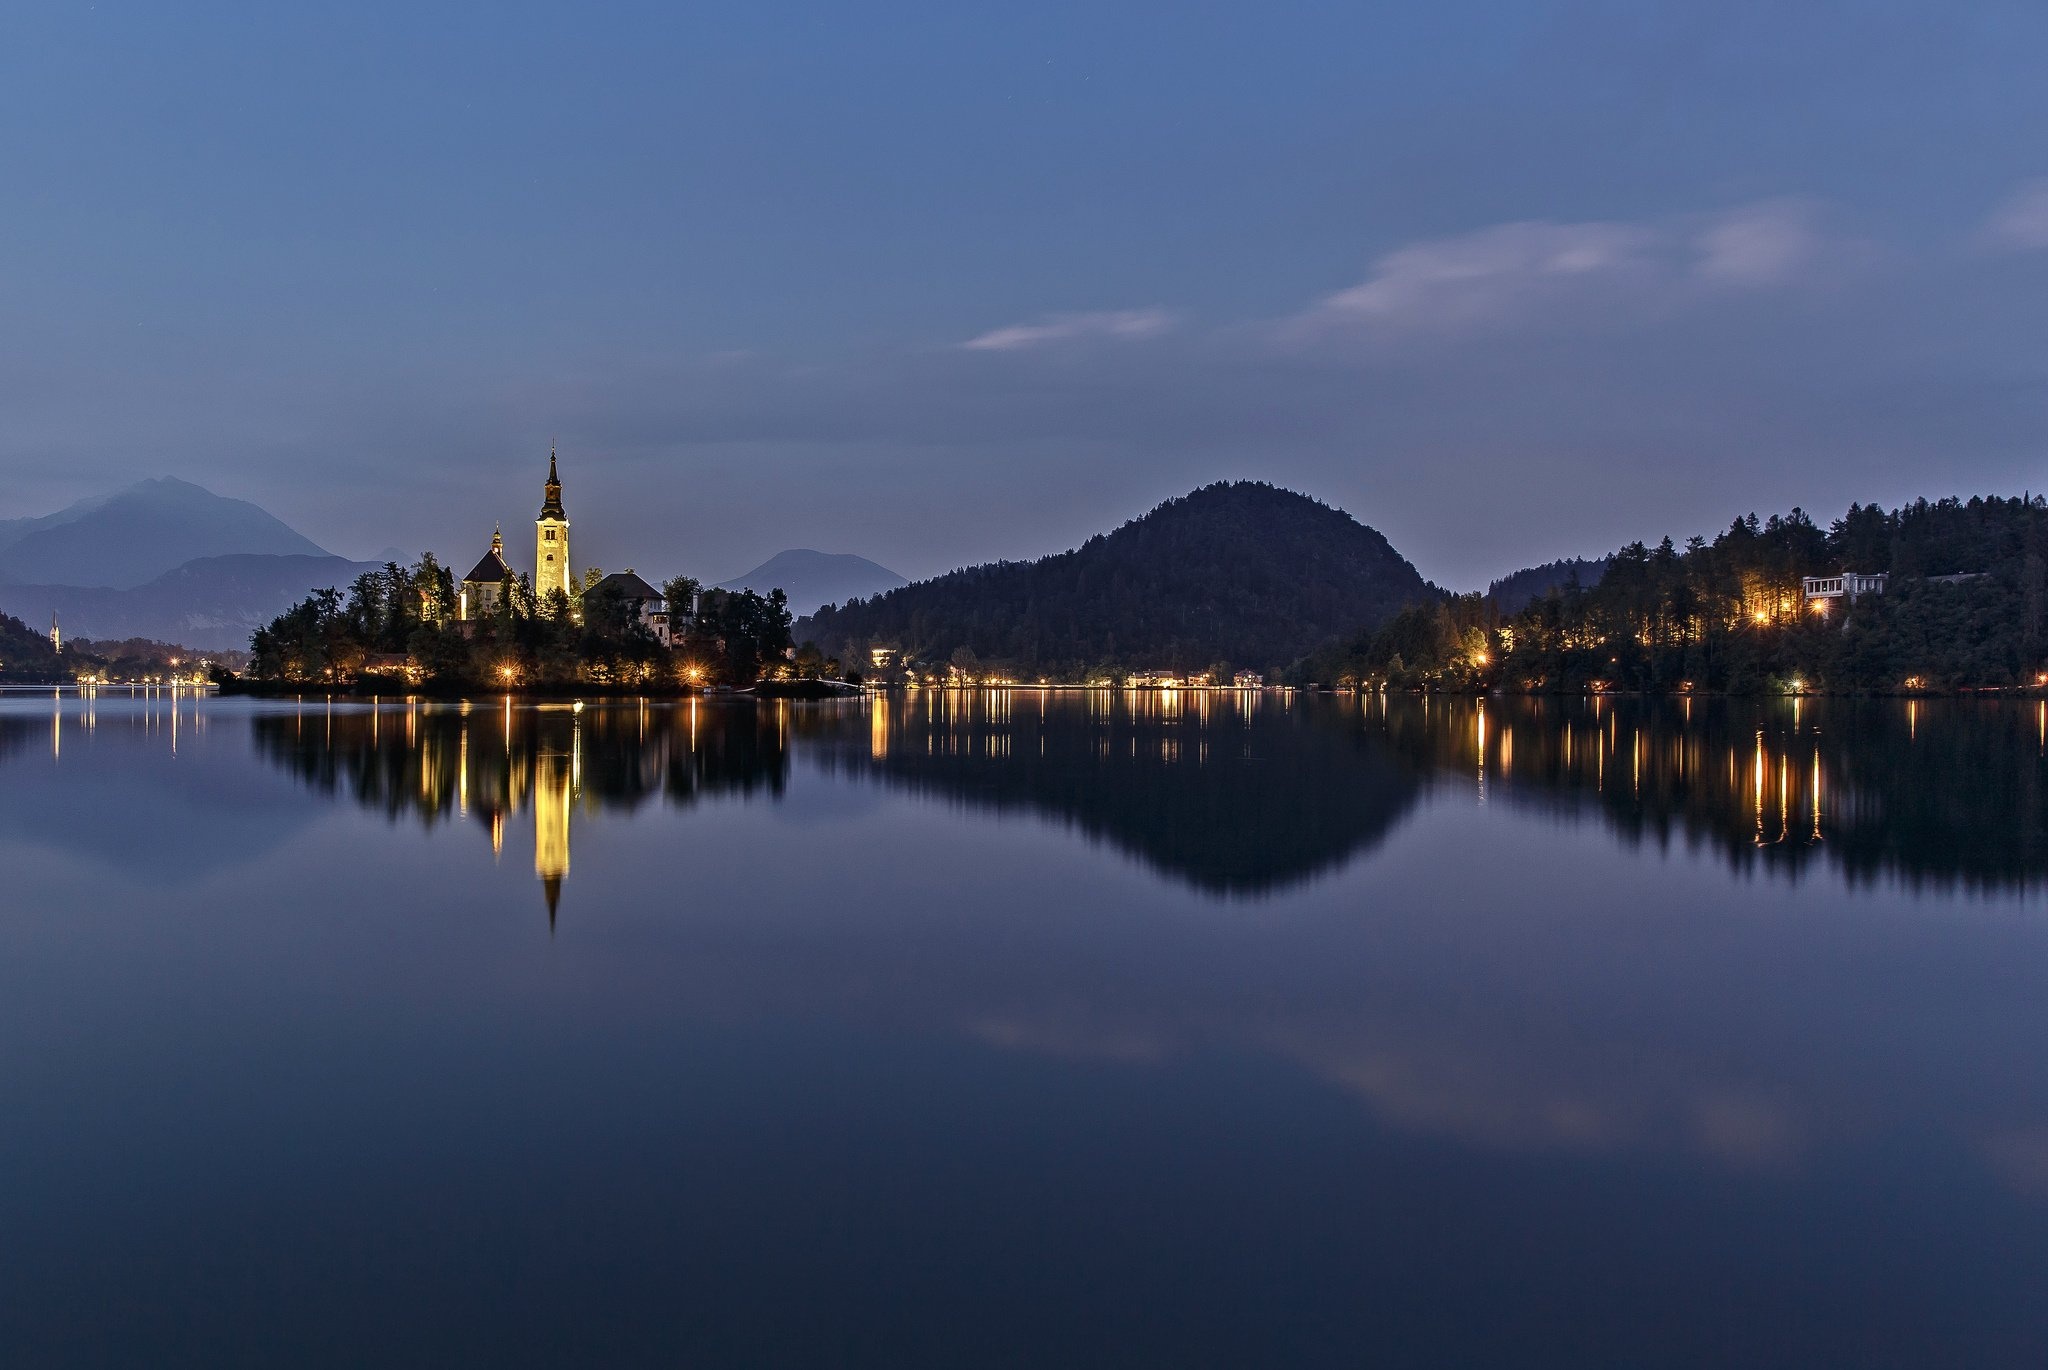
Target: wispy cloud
x,y
1759,244
1515,271
2022,221
1122,325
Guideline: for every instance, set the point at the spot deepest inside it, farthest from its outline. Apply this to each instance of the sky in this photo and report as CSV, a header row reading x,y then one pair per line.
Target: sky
x,y
953,282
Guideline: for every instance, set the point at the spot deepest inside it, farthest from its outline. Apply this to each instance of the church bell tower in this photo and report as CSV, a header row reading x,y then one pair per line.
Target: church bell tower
x,y
551,540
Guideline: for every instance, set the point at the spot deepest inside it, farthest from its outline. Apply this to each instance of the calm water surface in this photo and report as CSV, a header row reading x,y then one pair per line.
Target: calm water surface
x,y
1010,1029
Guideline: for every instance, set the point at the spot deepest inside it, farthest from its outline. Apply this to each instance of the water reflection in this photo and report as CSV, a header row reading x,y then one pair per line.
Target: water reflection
x,y
1246,795
1460,1060
1949,793
1235,794
501,763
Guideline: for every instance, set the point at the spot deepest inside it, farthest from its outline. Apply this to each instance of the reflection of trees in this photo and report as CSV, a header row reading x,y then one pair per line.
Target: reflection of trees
x,y
434,762
1236,794
1947,791
18,733
491,762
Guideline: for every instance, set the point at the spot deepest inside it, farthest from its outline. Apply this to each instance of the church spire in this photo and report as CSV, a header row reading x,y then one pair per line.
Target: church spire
x,y
551,506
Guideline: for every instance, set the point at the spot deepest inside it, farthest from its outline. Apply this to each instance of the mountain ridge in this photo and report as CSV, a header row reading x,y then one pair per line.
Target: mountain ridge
x,y
134,535
208,602
813,579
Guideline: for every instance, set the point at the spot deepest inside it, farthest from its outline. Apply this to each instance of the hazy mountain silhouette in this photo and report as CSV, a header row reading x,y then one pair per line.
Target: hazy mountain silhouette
x,y
135,535
209,603
814,579
1245,573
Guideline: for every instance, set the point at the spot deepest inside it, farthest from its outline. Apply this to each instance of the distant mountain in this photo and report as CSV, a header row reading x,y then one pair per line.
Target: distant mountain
x,y
1515,592
1241,573
813,579
208,603
135,535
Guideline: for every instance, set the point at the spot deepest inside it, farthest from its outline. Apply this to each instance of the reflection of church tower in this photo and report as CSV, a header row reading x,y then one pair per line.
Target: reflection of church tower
x,y
551,539
554,790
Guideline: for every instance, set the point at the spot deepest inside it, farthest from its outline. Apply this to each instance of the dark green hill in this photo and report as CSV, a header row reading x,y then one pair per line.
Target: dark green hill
x,y
26,654
1242,573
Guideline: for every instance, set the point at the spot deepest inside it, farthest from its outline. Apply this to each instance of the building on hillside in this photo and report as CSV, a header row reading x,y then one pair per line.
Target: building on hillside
x,y
1248,680
1848,585
483,590
551,541
646,603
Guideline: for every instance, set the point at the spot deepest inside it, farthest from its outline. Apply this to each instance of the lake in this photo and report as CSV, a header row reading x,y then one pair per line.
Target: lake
x,y
1012,1028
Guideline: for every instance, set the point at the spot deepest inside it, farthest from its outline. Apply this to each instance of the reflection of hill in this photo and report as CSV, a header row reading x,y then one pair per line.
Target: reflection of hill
x,y
1945,791
1236,794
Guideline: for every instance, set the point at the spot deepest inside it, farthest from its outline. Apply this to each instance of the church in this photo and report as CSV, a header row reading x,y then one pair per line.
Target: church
x,y
483,591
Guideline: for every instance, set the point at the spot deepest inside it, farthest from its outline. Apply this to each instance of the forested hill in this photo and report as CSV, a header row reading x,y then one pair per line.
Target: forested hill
x,y
26,654
1513,593
1244,574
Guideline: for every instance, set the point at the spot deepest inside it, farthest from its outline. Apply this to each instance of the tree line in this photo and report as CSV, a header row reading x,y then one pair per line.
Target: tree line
x,y
1963,607
404,621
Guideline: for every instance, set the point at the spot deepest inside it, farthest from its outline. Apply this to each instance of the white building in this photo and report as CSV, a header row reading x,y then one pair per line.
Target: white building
x,y
645,602
1847,585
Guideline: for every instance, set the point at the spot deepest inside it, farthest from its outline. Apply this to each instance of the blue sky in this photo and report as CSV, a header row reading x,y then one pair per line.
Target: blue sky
x,y
940,283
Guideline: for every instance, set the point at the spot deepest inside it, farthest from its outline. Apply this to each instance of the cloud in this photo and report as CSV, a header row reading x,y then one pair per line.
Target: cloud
x,y
2021,223
1759,244
1482,275
1122,325
1513,272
